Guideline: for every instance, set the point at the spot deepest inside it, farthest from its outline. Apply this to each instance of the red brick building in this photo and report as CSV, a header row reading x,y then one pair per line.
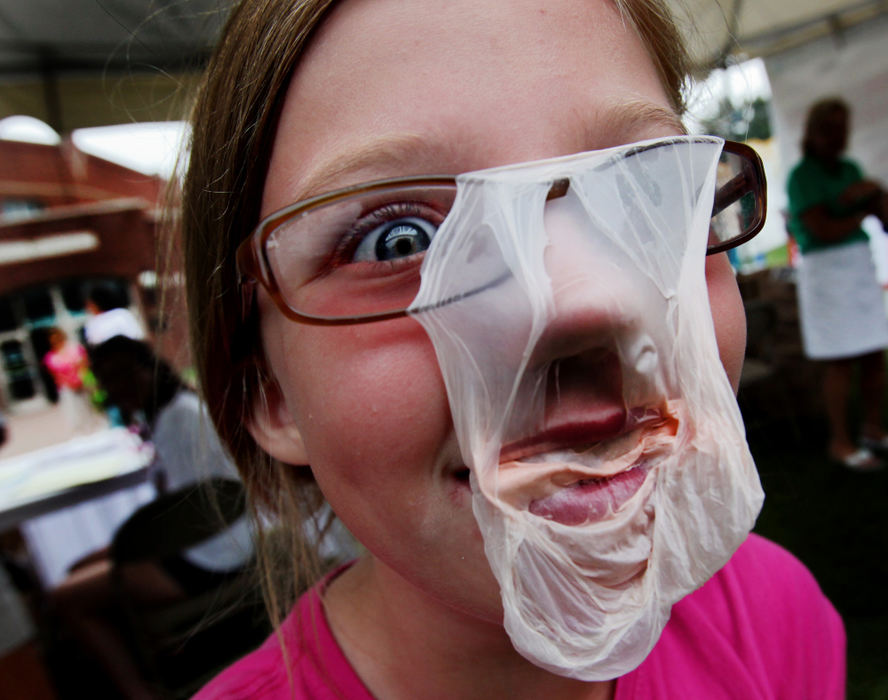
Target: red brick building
x,y
67,220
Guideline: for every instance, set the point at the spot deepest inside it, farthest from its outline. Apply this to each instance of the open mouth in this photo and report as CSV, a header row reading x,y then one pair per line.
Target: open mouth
x,y
603,430
462,475
595,427
584,482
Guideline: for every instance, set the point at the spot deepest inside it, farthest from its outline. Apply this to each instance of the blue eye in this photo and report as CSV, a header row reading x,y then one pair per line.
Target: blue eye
x,y
396,239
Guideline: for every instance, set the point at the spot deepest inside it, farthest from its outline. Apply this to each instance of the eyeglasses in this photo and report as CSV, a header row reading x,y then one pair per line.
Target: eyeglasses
x,y
354,255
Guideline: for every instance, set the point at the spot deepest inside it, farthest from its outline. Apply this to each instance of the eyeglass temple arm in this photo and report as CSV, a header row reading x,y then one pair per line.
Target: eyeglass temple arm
x,y
730,192
726,195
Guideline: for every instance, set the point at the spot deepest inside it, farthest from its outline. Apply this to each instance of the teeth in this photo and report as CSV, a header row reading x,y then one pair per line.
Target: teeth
x,y
599,479
563,455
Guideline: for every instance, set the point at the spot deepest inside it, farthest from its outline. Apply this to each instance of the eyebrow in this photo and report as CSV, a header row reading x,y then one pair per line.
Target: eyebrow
x,y
394,151
630,118
401,152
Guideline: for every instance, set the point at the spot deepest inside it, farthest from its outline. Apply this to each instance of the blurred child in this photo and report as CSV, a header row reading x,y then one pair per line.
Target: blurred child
x,y
67,362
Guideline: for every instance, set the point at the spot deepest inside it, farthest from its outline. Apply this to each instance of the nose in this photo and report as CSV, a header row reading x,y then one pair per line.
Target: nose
x,y
596,300
606,337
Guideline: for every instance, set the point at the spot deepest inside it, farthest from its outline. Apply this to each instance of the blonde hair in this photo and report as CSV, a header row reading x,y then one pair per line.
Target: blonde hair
x,y
234,123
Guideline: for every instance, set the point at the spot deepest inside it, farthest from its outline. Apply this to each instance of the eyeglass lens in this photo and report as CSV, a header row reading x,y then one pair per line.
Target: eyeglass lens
x,y
360,254
737,208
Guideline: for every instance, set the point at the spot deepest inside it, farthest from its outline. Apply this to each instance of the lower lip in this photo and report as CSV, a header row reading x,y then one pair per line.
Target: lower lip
x,y
590,500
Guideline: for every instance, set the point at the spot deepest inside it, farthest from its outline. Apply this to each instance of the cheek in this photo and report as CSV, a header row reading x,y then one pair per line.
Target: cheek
x,y
727,315
365,395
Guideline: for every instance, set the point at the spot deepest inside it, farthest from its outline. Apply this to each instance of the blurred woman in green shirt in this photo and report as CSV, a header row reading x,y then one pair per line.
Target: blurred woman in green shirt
x,y
841,303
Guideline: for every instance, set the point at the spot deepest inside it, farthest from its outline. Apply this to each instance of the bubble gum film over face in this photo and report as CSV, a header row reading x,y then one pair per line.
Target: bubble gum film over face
x,y
609,468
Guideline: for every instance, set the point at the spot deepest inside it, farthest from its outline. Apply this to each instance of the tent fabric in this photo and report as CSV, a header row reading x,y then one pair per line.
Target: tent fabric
x,y
87,36
78,63
855,68
717,28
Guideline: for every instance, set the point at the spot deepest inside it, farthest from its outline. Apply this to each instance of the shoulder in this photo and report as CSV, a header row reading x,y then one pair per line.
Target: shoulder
x,y
804,182
187,443
767,603
761,627
184,401
851,169
807,173
762,577
802,169
760,557
260,674
181,415
318,669
797,168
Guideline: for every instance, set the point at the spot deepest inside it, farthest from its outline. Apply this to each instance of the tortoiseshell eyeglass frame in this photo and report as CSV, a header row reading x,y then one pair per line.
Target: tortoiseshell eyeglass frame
x,y
252,259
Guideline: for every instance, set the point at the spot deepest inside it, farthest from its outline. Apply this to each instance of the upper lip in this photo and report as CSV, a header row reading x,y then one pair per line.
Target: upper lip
x,y
584,433
585,429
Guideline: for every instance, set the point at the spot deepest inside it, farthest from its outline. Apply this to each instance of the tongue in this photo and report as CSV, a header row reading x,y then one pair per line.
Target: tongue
x,y
590,500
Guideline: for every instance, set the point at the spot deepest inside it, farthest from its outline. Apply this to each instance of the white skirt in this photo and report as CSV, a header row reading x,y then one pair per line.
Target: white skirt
x,y
841,304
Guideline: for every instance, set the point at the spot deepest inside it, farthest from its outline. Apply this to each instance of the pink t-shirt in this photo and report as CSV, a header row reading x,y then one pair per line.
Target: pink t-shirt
x,y
66,365
760,628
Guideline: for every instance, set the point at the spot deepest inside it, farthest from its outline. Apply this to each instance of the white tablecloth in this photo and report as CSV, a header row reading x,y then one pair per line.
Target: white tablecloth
x,y
57,540
71,521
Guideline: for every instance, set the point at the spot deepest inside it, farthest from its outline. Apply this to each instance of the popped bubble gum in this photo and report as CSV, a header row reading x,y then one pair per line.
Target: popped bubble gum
x,y
567,304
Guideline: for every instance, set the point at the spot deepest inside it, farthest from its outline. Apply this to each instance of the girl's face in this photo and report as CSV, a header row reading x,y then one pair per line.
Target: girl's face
x,y
392,88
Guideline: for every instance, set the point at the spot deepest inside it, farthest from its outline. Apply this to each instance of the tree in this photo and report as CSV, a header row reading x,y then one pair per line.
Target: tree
x,y
741,121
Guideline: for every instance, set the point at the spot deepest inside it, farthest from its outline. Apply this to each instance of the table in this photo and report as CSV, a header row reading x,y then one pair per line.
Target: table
x,y
69,499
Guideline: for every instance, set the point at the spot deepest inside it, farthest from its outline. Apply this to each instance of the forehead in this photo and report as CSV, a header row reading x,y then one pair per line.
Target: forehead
x,y
390,88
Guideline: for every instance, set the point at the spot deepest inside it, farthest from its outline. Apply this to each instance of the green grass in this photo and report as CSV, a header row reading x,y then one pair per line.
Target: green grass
x,y
836,522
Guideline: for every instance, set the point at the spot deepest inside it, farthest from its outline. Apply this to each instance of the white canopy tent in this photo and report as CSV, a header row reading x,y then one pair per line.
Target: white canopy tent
x,y
853,66
718,28
81,63
77,63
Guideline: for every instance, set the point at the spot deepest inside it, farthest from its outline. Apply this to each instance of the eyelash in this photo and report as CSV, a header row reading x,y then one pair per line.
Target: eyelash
x,y
350,239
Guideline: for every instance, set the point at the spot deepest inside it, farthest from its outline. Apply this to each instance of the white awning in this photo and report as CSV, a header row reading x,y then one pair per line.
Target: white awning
x,y
19,251
79,63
